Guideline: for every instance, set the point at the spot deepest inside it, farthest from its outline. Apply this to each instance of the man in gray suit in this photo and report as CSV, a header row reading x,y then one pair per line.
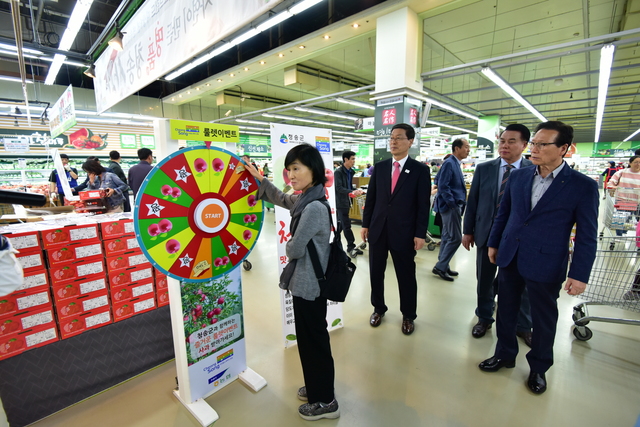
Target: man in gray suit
x,y
485,195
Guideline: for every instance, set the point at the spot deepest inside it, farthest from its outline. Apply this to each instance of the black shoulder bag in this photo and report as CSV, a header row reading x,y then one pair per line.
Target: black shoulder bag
x,y
335,282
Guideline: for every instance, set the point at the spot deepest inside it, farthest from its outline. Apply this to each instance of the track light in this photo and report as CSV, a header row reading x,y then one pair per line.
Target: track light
x,y
356,103
632,135
15,123
18,111
512,92
606,59
91,71
116,41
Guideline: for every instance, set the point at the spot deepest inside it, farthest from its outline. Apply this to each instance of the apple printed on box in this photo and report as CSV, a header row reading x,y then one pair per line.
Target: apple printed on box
x,y
74,270
126,260
79,287
120,245
29,241
73,252
162,296
130,275
161,282
81,304
126,309
26,320
80,323
24,300
65,235
120,228
18,342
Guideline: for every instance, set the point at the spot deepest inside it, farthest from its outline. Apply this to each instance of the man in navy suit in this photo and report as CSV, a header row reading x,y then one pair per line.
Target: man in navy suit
x,y
395,220
450,202
529,241
487,188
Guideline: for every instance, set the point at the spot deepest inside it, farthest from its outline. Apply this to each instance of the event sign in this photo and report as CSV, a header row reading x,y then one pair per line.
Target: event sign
x,y
283,139
202,131
62,116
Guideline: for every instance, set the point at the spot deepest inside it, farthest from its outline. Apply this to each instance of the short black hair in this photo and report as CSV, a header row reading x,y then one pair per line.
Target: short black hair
x,y
458,143
565,132
64,156
525,133
347,155
632,158
93,158
92,166
408,129
144,153
309,156
114,155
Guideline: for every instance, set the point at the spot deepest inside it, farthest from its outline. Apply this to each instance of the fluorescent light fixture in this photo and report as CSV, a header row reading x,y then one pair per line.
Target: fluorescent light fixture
x,y
283,117
253,122
114,121
451,127
244,37
24,49
632,135
256,133
452,109
41,58
251,128
301,7
606,59
76,19
356,103
274,21
512,92
116,41
13,79
325,113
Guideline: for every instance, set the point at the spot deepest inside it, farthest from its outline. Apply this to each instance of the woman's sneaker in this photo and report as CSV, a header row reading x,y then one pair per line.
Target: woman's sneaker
x,y
302,393
318,410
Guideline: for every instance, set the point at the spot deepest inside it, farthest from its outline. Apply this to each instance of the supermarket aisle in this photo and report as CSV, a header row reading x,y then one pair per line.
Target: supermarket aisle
x,y
385,378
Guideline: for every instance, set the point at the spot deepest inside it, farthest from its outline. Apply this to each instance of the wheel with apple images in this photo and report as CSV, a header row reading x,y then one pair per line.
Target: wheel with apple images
x,y
197,214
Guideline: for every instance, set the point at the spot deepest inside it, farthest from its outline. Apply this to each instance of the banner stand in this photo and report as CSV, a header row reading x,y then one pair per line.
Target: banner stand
x,y
200,410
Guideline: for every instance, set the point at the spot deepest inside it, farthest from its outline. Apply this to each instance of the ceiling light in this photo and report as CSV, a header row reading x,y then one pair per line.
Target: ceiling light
x,y
606,59
452,109
253,122
280,55
197,88
512,92
91,71
188,92
246,68
227,113
219,80
180,96
17,111
302,6
632,135
24,49
13,79
451,127
173,99
326,37
116,41
274,21
244,37
355,25
262,62
301,46
208,84
231,75
356,103
15,123
325,113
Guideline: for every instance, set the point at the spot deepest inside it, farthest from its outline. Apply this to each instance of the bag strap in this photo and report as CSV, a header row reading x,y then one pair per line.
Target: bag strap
x,y
311,247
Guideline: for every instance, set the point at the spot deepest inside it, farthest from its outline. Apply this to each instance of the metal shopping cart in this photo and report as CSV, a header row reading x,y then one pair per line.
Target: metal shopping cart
x,y
614,281
621,212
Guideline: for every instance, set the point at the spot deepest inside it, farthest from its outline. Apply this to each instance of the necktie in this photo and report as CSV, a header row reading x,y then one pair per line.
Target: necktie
x,y
503,184
395,175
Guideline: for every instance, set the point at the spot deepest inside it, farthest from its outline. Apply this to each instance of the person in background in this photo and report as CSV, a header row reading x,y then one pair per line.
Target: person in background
x,y
625,185
608,173
365,172
137,173
85,184
310,223
434,168
114,165
99,178
344,191
265,169
55,187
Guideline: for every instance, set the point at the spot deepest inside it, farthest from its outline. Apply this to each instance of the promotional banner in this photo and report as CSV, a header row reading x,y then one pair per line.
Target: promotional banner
x,y
62,116
197,218
488,134
283,138
203,131
161,36
390,112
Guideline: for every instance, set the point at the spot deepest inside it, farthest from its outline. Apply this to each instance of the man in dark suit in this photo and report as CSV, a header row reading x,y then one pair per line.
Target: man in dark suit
x,y
529,241
343,178
450,202
489,182
395,220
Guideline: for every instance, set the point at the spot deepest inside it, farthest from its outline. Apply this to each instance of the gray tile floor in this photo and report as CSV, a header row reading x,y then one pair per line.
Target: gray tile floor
x,y
384,378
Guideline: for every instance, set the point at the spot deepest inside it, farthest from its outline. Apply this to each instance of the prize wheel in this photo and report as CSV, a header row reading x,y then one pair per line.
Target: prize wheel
x,y
197,214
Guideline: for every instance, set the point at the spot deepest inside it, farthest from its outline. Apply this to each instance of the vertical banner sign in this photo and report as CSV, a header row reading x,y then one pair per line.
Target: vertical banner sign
x,y
488,134
62,116
283,139
197,218
390,112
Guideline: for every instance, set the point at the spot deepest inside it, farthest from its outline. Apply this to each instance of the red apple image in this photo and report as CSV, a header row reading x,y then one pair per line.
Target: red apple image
x,y
114,228
247,234
161,283
121,294
175,192
251,200
12,345
217,262
247,219
116,245
117,263
163,297
329,174
214,321
225,260
221,300
123,311
172,246
119,278
74,325
200,165
285,175
254,218
67,291
153,230
72,308
166,190
218,165
165,225
9,326
217,311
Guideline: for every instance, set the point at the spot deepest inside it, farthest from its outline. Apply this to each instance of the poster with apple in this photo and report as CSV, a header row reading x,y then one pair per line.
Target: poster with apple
x,y
283,138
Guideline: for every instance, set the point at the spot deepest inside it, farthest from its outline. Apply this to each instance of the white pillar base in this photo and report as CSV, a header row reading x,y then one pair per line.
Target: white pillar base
x,y
200,409
252,379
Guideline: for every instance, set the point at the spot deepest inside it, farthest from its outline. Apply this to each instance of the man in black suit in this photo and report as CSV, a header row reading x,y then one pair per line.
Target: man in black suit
x,y
395,220
489,181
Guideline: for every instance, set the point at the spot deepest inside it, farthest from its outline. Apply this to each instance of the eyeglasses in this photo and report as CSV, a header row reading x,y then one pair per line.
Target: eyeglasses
x,y
398,138
540,145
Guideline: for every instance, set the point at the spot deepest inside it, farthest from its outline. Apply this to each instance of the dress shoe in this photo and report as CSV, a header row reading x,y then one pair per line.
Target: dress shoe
x,y
494,364
376,319
407,326
537,383
480,329
526,336
450,272
443,274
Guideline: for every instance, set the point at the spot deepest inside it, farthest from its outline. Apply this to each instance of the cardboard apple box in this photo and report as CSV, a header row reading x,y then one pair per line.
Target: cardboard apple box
x,y
74,325
74,270
120,245
92,194
130,275
125,309
24,300
82,304
73,252
74,233
35,281
31,261
121,228
79,287
129,259
134,290
162,296
161,282
27,319
25,242
19,342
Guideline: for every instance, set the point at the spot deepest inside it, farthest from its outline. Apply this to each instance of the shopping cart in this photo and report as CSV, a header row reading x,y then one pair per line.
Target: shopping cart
x,y
614,281
621,211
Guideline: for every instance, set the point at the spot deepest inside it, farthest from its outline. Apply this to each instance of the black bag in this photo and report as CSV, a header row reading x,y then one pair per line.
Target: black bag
x,y
335,282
